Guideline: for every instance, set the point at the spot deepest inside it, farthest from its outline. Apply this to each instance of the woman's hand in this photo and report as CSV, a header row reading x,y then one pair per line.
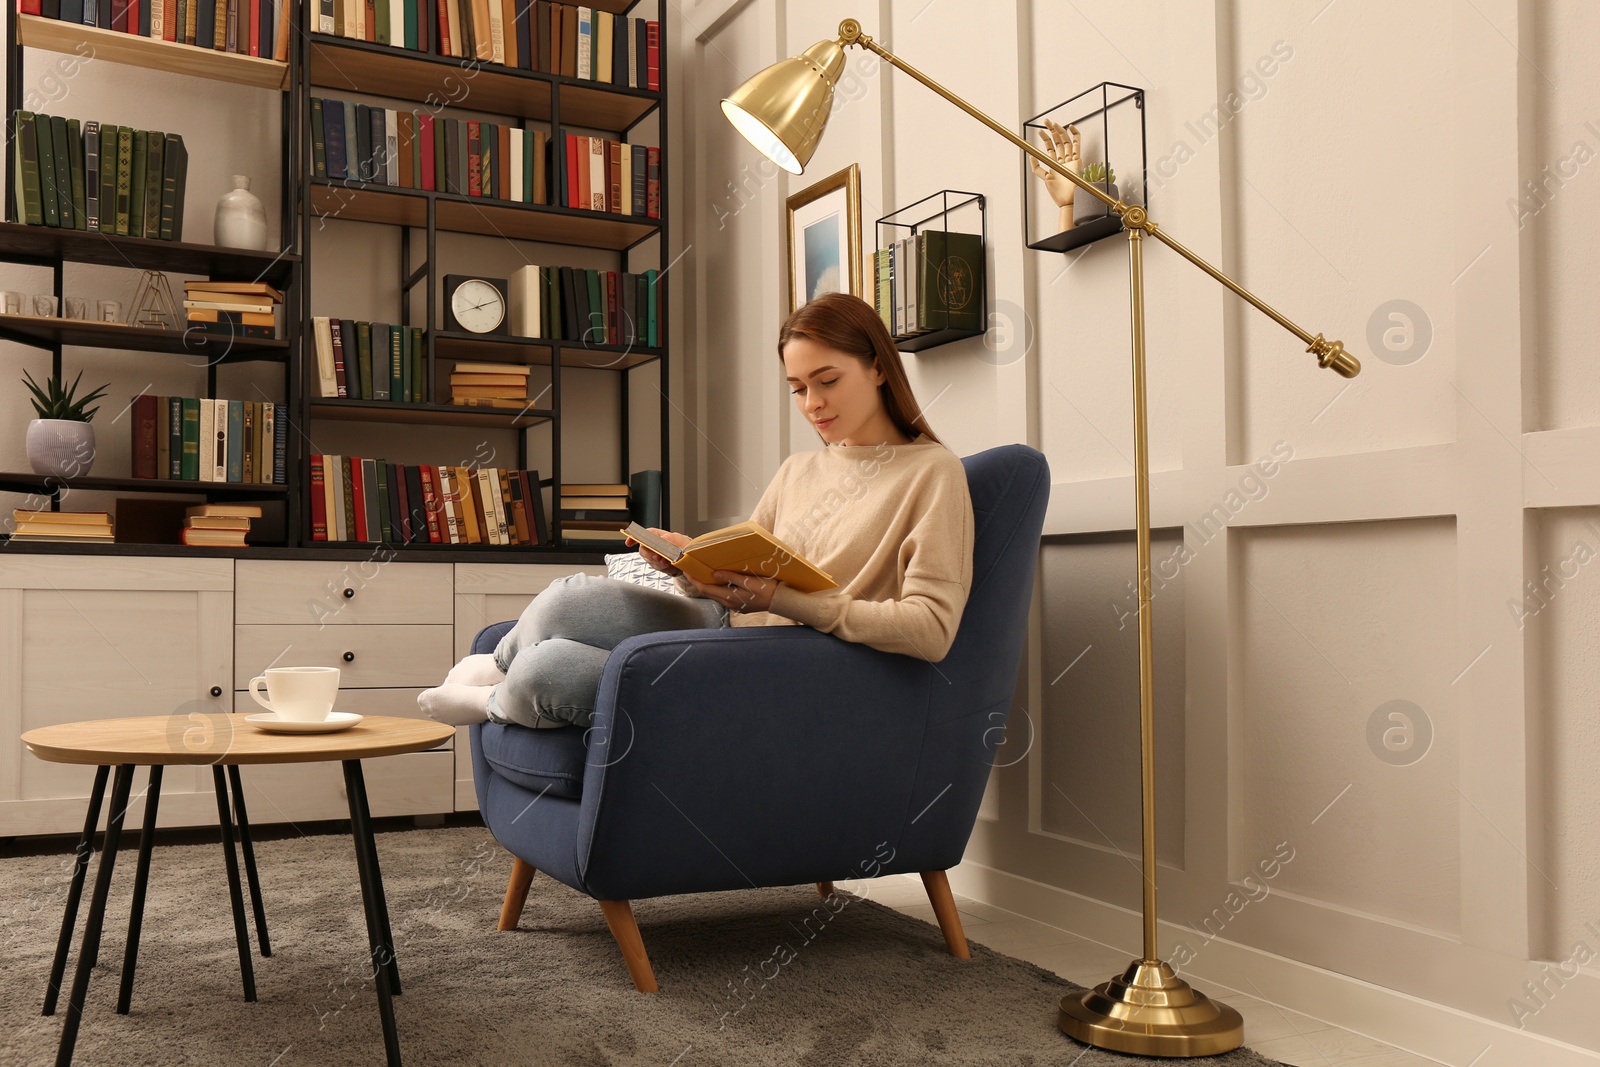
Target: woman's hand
x,y
739,593
655,559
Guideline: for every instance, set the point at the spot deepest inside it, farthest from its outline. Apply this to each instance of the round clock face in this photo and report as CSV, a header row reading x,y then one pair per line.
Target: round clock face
x,y
477,306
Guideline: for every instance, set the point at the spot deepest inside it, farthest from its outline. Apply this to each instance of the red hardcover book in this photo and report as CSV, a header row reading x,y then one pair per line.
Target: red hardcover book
x,y
585,150
255,27
358,491
519,514
319,505
652,51
29,7
169,19
425,135
133,16
613,310
652,182
614,176
445,48
119,15
571,161
502,162
474,160
371,22
338,356
144,436
431,501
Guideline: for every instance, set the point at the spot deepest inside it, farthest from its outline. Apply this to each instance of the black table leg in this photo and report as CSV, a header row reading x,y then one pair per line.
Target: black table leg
x,y
80,867
371,899
120,787
240,931
152,797
382,901
249,859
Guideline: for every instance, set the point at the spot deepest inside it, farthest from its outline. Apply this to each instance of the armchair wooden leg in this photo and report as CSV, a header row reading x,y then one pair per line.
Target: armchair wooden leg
x,y
944,907
516,893
619,916
824,889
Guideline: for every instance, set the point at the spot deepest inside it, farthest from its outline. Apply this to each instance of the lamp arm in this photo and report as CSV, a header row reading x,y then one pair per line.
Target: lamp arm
x,y
1329,353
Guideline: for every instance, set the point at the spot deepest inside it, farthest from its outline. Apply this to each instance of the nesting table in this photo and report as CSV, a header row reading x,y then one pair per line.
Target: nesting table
x,y
220,741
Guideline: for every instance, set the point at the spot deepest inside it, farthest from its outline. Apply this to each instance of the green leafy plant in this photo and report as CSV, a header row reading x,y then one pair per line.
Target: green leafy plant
x,y
1098,173
55,402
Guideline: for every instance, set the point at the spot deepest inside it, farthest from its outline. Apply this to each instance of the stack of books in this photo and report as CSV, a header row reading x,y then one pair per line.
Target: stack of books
x,y
75,526
357,499
200,439
232,309
489,385
930,281
556,38
594,512
100,177
218,524
599,307
245,27
361,360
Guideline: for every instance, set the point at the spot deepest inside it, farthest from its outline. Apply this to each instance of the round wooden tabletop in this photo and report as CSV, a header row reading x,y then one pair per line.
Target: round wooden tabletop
x,y
197,738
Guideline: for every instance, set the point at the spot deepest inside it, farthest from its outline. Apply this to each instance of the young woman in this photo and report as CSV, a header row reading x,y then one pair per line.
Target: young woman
x,y
883,508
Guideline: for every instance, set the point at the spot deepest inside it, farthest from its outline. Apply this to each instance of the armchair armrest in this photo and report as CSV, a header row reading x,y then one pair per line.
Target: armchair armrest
x,y
766,755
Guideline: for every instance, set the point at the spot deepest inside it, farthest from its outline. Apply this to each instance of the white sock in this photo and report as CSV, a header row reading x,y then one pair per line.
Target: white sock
x,y
477,669
456,704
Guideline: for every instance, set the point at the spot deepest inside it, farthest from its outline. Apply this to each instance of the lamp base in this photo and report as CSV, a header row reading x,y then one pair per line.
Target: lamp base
x,y
1149,1011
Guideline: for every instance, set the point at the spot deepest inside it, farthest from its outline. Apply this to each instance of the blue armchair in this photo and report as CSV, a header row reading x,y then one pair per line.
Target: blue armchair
x,y
762,756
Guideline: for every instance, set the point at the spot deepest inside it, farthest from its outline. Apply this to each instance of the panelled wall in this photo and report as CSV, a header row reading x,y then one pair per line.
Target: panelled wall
x,y
1375,613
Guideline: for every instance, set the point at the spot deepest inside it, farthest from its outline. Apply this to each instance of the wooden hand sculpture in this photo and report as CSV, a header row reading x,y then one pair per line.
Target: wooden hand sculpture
x,y
1063,145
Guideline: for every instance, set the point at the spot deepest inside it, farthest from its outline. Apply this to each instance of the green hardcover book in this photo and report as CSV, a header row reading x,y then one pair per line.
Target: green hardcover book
x,y
319,152
410,26
124,175
397,380
136,178
177,165
596,333
380,11
169,186
27,170
527,166
348,462
552,300
154,178
108,178
80,212
190,471
419,366
175,436
49,199
383,501
949,281
403,337
63,157
653,292
364,358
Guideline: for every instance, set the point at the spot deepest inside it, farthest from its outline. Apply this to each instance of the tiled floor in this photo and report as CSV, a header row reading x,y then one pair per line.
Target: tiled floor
x,y
1272,1031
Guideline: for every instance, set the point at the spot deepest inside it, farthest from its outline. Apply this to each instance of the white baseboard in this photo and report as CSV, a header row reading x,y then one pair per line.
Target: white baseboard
x,y
1422,1027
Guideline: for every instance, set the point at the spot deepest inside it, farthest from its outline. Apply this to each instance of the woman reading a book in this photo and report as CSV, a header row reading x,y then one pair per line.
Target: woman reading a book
x,y
883,508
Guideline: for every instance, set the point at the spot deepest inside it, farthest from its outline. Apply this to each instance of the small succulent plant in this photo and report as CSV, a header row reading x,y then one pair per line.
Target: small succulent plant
x,y
1098,173
54,402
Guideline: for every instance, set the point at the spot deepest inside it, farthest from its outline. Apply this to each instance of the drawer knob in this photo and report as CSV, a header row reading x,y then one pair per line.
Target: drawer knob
x,y
349,657
349,593
216,690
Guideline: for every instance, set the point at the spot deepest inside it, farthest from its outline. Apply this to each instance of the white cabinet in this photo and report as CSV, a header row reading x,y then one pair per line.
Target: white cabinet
x,y
107,637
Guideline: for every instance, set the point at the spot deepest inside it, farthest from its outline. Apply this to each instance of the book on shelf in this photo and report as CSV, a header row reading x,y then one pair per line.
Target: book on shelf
x,y
584,304
361,360
243,27
932,280
71,526
744,548
98,177
168,432
353,498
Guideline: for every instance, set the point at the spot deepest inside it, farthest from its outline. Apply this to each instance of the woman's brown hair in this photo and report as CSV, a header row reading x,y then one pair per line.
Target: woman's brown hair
x,y
851,325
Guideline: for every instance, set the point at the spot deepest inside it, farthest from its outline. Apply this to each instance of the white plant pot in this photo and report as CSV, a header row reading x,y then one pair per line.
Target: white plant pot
x,y
63,448
1087,206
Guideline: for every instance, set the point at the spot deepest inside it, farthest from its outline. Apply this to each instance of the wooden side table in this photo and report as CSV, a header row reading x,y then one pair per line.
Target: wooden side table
x,y
218,740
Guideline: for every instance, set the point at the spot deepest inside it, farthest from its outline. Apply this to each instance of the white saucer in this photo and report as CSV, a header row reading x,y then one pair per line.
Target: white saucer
x,y
336,720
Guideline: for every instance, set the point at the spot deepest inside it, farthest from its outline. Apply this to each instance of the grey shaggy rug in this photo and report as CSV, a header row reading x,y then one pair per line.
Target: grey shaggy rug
x,y
870,986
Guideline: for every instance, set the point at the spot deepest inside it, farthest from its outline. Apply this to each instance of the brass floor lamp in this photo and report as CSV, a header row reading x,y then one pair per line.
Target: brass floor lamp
x,y
1147,1010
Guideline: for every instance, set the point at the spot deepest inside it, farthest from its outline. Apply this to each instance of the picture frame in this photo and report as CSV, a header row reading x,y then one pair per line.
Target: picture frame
x,y
824,237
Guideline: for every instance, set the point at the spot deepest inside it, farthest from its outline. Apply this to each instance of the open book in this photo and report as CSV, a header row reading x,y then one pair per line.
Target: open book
x,y
748,548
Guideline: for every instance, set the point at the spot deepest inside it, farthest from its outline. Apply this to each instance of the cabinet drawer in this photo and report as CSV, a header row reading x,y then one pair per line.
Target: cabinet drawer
x,y
328,592
380,656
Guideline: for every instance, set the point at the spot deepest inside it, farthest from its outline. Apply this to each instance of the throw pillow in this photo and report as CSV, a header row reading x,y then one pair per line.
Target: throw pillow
x,y
631,567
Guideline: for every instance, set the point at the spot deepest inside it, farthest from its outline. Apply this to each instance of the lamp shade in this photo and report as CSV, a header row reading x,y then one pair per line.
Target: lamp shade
x,y
784,109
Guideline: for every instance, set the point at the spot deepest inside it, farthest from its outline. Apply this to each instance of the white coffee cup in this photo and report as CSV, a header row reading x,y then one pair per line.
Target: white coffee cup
x,y
298,694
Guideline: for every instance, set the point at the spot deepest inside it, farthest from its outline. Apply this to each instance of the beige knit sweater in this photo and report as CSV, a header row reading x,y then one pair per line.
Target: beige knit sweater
x,y
892,524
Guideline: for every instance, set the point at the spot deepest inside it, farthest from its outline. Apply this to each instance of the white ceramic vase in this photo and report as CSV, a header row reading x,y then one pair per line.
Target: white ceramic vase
x,y
63,448
241,220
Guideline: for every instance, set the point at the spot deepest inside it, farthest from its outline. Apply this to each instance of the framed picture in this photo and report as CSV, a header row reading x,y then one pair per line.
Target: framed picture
x,y
825,238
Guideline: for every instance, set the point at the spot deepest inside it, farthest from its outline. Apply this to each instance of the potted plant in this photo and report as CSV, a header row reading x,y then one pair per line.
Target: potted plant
x,y
60,440
1087,205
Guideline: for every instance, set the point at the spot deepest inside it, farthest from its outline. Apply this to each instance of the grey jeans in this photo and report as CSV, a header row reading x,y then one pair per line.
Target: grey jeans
x,y
553,656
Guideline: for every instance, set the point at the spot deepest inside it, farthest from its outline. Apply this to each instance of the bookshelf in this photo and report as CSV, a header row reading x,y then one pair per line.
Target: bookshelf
x,y
327,65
